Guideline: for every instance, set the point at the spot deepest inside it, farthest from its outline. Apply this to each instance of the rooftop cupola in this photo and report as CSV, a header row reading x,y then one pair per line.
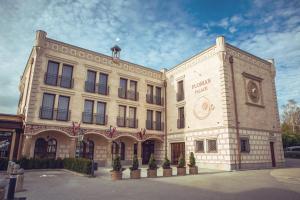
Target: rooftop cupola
x,y
115,50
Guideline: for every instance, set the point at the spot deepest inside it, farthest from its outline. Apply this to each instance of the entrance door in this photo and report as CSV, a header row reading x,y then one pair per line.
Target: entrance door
x,y
176,150
148,149
272,154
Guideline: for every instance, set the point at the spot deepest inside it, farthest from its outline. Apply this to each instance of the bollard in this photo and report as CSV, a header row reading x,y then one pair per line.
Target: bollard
x,y
92,170
20,180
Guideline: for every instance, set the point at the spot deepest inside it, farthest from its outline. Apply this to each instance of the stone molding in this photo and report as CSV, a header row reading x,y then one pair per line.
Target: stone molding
x,y
85,54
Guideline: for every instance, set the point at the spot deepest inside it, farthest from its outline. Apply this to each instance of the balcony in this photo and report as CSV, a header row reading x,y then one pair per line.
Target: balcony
x,y
99,88
61,81
127,122
152,125
158,100
180,123
55,114
180,96
129,94
90,118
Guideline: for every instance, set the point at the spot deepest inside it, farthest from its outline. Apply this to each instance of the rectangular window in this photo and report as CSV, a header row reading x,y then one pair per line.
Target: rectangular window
x,y
132,117
212,146
122,116
47,106
66,76
133,90
199,146
149,121
245,146
123,88
149,96
51,76
101,112
90,81
103,89
159,125
88,111
181,119
158,96
180,91
63,108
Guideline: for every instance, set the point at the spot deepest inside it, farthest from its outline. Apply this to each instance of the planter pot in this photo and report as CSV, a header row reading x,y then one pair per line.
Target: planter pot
x,y
151,173
135,174
116,175
181,171
167,172
193,170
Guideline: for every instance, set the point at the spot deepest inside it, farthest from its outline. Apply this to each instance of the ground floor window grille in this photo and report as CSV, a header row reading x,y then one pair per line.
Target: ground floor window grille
x,y
245,146
199,146
212,146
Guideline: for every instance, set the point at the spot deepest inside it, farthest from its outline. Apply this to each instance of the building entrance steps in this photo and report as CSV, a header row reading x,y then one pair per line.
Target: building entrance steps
x,y
104,172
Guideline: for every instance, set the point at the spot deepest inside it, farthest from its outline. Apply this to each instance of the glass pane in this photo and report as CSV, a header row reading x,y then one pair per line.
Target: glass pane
x,y
91,81
52,73
103,83
133,85
123,84
63,108
150,90
66,78
47,106
158,117
158,92
100,113
88,111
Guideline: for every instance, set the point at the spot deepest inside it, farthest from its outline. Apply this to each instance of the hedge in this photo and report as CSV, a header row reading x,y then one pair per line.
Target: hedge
x,y
3,163
291,154
80,165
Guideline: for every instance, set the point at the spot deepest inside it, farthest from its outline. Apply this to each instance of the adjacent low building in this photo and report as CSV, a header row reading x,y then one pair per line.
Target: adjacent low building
x,y
220,104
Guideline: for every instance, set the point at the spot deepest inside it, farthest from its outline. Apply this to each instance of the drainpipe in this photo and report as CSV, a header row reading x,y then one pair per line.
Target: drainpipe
x,y
166,137
236,113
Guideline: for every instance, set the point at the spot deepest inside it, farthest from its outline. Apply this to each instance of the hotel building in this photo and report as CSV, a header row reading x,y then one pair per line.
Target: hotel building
x,y
220,104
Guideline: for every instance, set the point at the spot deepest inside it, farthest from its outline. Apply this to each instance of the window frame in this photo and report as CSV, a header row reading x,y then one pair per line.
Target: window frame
x,y
196,146
247,145
207,142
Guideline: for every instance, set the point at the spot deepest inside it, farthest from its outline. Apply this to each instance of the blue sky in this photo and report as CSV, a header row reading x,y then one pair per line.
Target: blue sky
x,y
157,34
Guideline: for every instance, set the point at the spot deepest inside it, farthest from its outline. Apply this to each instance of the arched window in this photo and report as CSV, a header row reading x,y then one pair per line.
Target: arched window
x,y
122,153
85,149
40,148
51,148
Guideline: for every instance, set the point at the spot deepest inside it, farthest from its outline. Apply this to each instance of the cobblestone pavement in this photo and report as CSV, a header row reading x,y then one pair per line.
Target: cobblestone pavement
x,y
281,184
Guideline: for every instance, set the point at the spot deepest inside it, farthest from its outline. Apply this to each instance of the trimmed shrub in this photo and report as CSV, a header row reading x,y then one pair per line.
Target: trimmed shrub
x,y
166,164
181,162
117,164
192,160
135,163
152,163
80,165
3,164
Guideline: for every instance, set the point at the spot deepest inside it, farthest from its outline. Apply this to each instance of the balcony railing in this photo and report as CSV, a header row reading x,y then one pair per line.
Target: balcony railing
x,y
158,100
99,88
55,114
90,118
152,125
127,122
55,80
180,123
180,96
129,94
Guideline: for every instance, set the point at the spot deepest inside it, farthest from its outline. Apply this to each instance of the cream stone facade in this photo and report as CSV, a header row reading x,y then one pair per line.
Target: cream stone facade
x,y
220,104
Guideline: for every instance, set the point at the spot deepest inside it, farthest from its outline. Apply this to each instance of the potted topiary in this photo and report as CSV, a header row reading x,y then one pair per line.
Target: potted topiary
x,y
135,172
181,170
167,170
116,172
193,169
152,168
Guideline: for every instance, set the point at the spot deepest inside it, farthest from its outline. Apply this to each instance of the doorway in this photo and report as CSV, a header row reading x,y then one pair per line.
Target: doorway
x,y
272,154
148,149
177,149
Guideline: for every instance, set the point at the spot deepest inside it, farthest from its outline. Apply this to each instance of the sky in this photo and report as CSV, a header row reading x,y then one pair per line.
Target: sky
x,y
157,34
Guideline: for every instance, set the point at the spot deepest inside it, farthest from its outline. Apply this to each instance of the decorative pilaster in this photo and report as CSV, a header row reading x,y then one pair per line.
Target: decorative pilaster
x,y
139,153
109,154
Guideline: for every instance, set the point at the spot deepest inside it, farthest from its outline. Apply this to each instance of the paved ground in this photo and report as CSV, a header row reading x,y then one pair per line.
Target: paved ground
x,y
281,184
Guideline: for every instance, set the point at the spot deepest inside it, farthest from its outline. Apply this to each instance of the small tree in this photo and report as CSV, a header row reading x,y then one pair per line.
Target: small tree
x,y
135,163
192,160
152,163
181,162
117,164
166,164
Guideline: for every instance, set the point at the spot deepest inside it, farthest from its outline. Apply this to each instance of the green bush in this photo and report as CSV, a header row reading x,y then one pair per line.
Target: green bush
x,y
166,164
117,164
192,160
152,163
135,163
80,165
3,164
181,162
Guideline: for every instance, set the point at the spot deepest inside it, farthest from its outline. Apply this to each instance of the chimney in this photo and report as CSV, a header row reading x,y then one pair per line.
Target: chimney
x,y
115,53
